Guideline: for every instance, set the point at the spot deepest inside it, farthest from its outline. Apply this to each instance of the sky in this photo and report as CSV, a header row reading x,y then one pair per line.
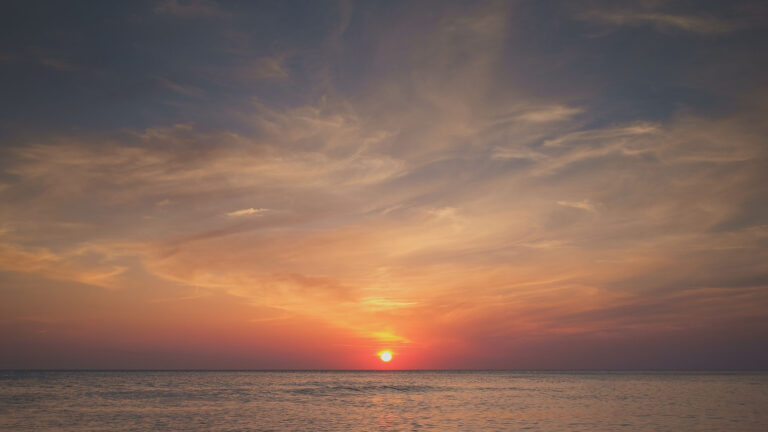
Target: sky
x,y
526,184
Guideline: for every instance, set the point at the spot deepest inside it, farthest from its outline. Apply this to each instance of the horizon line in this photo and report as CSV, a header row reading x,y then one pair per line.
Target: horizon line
x,y
384,370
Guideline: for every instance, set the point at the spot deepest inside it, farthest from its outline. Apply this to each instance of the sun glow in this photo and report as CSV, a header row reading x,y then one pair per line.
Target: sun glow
x,y
385,356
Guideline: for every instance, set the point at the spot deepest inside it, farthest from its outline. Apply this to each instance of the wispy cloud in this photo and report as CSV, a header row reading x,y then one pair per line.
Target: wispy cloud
x,y
185,90
583,205
247,212
664,21
549,114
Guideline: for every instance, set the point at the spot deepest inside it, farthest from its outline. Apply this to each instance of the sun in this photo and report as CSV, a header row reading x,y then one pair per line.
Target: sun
x,y
385,356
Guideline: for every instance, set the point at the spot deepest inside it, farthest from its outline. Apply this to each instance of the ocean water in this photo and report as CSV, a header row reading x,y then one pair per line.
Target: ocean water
x,y
376,401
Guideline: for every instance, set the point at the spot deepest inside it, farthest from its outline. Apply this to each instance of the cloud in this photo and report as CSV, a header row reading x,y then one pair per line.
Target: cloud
x,y
264,67
379,303
457,220
516,153
690,23
549,114
601,135
425,195
84,264
185,90
58,64
583,205
189,8
247,212
158,170
163,203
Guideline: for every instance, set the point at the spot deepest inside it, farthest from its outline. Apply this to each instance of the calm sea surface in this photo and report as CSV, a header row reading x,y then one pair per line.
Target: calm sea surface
x,y
360,401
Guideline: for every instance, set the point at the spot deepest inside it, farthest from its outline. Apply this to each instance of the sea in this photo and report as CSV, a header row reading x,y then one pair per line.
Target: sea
x,y
382,401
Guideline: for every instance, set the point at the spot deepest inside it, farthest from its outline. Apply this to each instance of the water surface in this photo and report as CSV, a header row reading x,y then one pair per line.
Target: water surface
x,y
362,401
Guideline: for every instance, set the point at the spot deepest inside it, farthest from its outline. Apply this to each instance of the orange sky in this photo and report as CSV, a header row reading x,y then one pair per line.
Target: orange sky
x,y
469,186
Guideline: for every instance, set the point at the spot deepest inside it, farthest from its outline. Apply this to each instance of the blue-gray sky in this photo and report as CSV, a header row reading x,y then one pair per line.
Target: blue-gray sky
x,y
522,184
